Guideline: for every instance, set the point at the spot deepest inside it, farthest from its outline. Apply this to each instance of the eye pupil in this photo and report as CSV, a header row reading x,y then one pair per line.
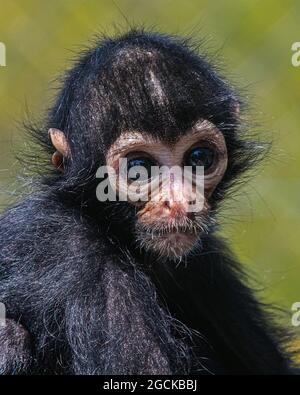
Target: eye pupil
x,y
143,163
200,156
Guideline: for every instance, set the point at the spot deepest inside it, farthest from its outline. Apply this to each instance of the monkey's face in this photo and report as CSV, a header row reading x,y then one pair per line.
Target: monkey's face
x,y
169,184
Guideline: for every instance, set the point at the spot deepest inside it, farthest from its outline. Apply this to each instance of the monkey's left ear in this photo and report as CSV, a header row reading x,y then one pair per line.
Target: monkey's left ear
x,y
61,145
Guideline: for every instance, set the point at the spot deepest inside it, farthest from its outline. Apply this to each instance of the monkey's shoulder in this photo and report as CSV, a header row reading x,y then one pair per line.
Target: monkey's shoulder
x,y
41,229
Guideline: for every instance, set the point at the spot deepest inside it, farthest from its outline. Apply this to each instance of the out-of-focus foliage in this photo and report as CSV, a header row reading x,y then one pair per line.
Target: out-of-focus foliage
x,y
253,37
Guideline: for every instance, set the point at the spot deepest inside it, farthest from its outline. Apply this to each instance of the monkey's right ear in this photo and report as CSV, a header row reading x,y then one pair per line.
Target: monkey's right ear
x,y
61,145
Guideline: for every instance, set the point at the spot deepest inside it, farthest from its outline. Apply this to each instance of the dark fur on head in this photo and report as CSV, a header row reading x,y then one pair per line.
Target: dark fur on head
x,y
71,272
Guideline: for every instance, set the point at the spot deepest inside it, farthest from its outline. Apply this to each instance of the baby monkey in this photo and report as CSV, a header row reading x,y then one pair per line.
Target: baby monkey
x,y
140,283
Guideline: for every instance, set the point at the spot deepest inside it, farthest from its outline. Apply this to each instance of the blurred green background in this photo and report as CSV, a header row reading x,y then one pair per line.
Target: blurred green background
x,y
254,38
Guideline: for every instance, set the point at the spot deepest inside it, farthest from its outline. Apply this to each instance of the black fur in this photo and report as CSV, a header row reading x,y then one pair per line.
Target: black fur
x,y
71,272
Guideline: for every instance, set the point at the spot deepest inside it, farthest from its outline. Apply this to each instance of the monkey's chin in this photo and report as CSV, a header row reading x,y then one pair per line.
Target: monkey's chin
x,y
173,245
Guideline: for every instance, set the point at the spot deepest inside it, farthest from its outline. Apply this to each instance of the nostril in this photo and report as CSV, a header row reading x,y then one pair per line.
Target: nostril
x,y
174,209
167,204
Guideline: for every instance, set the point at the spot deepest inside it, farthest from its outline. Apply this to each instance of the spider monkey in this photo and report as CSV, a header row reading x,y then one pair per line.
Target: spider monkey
x,y
133,287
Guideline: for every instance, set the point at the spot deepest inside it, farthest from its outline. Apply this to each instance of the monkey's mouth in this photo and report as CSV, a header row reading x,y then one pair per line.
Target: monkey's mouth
x,y
169,231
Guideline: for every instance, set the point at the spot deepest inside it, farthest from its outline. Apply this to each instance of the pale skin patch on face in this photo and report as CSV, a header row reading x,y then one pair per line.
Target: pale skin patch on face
x,y
166,227
172,154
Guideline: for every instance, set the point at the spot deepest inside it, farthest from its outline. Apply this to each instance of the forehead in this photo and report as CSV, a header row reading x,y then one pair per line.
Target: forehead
x,y
157,92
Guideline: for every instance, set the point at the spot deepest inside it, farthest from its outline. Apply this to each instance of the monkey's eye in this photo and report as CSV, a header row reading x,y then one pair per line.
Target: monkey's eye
x,y
200,156
139,168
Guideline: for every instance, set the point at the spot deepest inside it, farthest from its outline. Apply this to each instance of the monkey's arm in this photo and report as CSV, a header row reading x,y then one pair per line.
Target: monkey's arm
x,y
15,350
